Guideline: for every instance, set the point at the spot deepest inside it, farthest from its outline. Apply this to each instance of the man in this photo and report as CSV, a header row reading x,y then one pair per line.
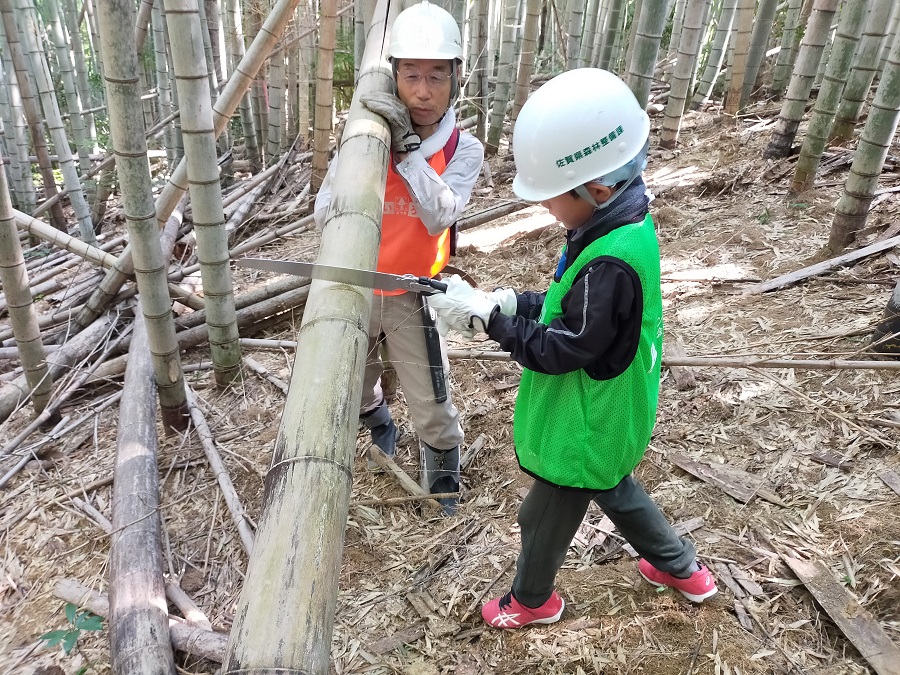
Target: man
x,y
433,168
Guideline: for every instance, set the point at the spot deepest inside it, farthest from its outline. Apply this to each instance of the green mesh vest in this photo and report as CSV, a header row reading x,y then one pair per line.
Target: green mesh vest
x,y
574,431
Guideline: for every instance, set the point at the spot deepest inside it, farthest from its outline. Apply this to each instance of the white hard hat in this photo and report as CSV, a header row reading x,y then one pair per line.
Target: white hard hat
x,y
425,31
580,127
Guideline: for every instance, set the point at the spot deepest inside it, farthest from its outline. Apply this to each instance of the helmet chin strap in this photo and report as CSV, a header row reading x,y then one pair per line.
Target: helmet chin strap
x,y
629,172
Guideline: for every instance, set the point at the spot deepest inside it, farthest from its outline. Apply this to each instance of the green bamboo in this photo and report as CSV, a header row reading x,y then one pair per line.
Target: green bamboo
x,y
30,108
685,64
527,55
650,24
41,71
794,105
849,29
123,95
191,79
285,613
762,29
865,65
505,75
324,93
14,279
859,190
790,41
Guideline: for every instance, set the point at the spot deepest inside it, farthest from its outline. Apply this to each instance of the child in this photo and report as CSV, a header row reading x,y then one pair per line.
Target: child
x,y
591,345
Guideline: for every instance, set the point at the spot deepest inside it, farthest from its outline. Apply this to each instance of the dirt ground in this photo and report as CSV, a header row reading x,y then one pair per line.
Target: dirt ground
x,y
815,444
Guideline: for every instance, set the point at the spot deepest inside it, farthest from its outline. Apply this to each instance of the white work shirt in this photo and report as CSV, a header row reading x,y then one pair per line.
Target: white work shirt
x,y
440,199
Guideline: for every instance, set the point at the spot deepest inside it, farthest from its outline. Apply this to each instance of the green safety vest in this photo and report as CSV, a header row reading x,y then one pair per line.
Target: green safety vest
x,y
574,431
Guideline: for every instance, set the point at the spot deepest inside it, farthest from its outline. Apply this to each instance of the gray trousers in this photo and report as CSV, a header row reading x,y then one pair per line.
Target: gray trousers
x,y
549,518
396,321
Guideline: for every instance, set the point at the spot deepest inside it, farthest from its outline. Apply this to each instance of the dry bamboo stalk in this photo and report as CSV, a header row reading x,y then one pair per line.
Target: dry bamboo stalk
x,y
13,352
50,234
94,515
247,318
403,480
391,501
139,627
186,638
192,614
12,393
265,374
235,508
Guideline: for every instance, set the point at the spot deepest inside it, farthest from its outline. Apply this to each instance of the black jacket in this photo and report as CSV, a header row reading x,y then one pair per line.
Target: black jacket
x,y
601,321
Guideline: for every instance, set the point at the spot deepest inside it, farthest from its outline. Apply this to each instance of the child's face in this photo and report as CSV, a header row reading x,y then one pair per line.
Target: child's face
x,y
572,212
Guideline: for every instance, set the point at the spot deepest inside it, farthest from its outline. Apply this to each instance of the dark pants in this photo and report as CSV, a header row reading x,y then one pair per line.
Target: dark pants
x,y
549,518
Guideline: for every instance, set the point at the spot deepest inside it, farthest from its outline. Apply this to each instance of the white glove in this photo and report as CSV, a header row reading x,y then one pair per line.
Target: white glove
x,y
462,307
506,299
391,108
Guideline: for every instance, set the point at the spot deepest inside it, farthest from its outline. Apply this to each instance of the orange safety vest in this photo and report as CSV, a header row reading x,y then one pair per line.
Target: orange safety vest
x,y
406,247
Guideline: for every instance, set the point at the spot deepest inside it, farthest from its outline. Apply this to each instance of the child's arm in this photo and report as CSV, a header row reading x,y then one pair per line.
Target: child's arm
x,y
598,330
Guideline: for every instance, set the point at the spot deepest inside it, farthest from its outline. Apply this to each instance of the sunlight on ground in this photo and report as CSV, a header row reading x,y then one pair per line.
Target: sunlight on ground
x,y
526,220
668,177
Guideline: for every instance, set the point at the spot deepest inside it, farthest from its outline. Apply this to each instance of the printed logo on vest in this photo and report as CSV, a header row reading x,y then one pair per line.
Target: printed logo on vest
x,y
401,207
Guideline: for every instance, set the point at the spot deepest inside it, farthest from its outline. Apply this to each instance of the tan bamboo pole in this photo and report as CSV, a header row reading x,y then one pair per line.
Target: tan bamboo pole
x,y
232,500
186,638
42,230
285,614
16,290
126,123
139,626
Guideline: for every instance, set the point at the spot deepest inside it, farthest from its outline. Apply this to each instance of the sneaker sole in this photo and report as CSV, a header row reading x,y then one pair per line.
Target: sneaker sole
x,y
689,596
551,619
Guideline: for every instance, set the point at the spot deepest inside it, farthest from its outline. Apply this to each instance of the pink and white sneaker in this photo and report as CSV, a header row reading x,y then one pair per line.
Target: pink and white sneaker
x,y
696,588
507,612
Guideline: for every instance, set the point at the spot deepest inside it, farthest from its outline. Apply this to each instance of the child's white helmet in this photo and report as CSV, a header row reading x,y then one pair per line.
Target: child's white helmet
x,y
582,126
425,31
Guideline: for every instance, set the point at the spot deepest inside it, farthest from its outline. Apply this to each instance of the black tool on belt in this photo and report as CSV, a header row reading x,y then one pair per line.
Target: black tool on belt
x,y
433,348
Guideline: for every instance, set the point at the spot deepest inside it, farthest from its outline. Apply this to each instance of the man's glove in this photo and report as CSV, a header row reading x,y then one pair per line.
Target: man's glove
x,y
506,299
463,308
392,109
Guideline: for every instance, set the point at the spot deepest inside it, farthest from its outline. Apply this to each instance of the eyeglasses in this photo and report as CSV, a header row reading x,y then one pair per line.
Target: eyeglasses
x,y
432,80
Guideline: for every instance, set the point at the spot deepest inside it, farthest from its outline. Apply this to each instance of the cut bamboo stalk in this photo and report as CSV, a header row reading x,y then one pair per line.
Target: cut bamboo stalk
x,y
139,627
188,608
186,638
235,508
258,368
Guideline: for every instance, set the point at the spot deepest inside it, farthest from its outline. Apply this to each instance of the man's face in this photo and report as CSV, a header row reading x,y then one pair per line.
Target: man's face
x,y
424,86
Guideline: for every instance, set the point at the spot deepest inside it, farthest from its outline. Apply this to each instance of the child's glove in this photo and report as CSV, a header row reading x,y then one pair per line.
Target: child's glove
x,y
463,308
392,109
506,299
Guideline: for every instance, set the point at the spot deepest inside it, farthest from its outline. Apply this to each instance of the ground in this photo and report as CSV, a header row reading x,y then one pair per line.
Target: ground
x,y
815,443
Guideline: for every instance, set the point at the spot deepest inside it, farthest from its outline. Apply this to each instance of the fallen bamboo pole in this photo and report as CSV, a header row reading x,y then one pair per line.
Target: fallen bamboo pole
x,y
139,628
232,501
185,638
60,361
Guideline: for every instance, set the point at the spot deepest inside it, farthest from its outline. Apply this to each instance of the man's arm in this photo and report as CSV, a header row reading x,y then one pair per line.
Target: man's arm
x,y
440,199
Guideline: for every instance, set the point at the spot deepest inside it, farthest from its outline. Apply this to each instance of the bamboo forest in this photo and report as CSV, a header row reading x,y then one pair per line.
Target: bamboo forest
x,y
194,474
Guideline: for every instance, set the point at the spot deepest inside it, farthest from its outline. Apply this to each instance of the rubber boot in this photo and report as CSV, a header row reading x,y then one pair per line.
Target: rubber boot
x,y
383,430
439,472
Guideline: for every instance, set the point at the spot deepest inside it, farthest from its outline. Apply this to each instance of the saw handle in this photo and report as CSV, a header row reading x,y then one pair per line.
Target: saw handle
x,y
438,286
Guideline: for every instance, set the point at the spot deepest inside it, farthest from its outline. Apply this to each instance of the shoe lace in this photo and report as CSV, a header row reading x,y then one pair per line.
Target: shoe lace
x,y
506,601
